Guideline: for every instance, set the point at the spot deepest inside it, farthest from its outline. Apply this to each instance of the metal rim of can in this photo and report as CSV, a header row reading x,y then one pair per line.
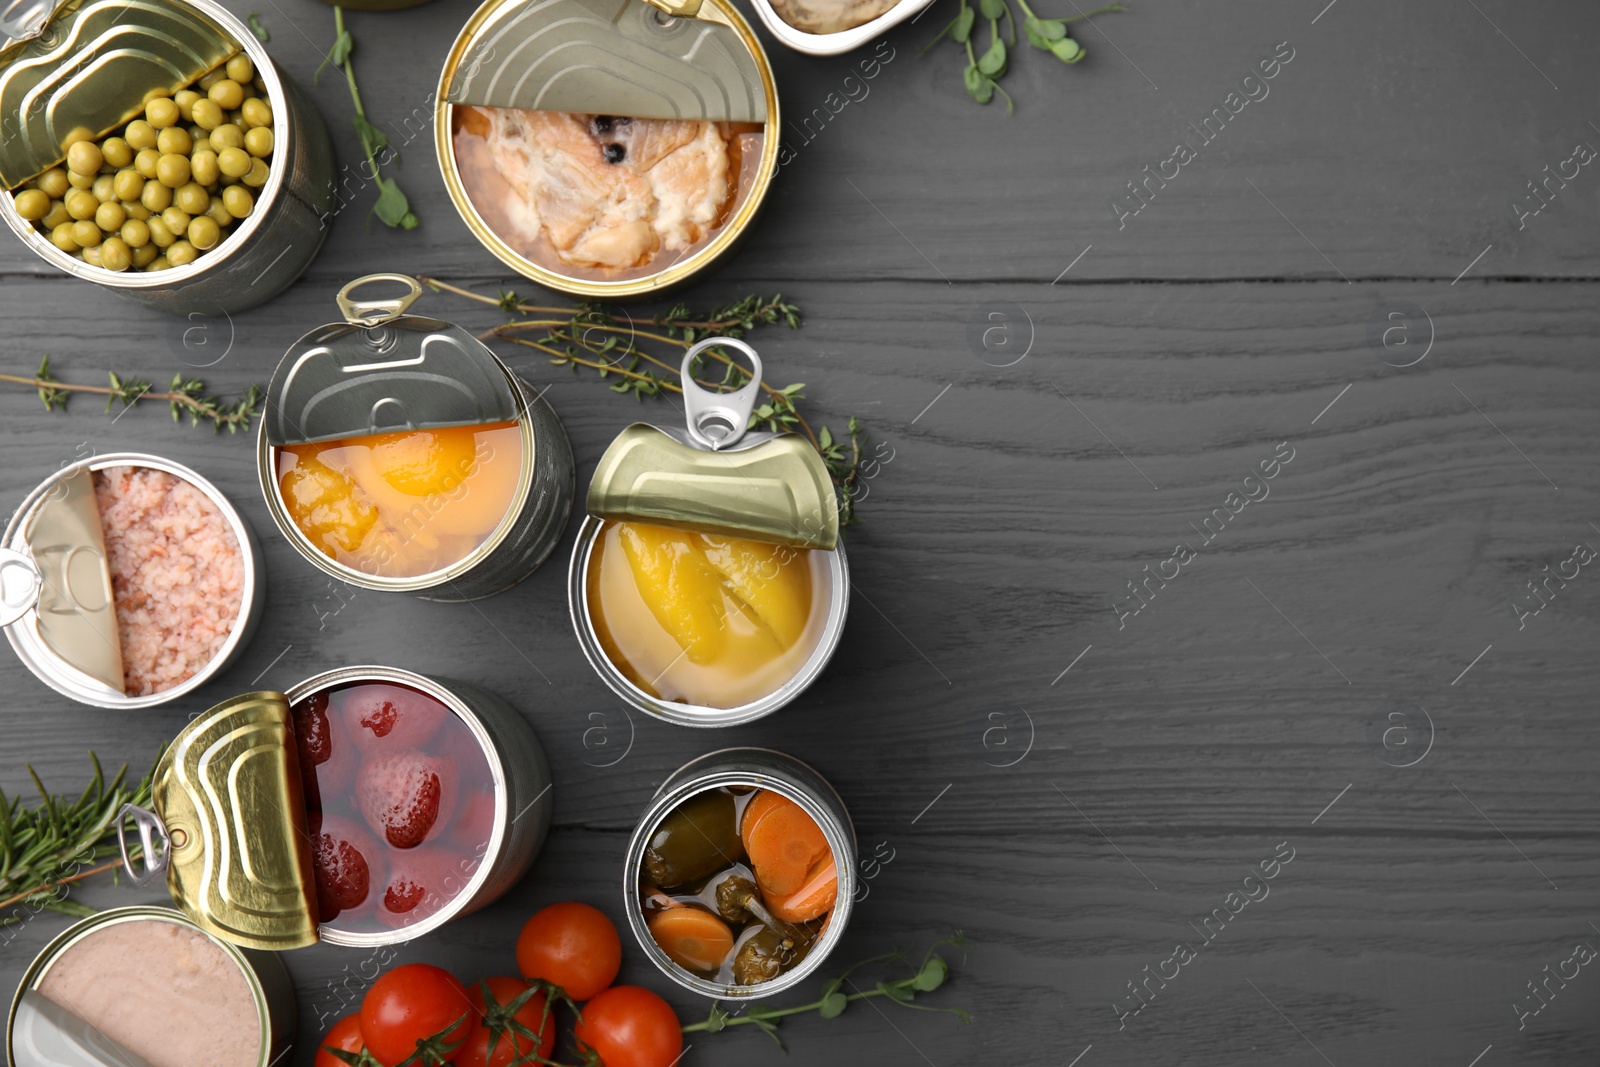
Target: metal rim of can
x,y
266,469
497,772
827,810
282,132
673,274
697,714
269,1019
52,672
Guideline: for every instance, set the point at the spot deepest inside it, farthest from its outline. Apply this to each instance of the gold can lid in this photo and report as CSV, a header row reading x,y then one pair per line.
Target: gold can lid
x,y
715,477
665,59
79,70
57,580
228,798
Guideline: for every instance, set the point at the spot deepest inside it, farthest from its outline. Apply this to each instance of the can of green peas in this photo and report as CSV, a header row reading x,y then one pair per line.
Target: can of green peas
x,y
152,147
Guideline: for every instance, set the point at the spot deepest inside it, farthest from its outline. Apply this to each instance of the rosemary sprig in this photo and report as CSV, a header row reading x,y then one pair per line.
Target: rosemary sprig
x,y
184,396
983,72
927,976
588,336
45,849
392,206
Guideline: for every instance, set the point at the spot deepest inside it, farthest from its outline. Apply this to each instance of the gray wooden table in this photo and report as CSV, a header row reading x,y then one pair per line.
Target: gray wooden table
x,y
1066,390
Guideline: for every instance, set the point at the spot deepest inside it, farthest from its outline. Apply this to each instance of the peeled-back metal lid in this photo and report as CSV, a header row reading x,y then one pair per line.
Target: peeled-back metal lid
x,y
229,826
383,371
61,584
662,59
80,69
713,476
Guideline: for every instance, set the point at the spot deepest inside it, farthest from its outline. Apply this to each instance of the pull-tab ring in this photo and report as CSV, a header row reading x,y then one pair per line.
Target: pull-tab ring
x,y
377,312
717,420
15,603
151,831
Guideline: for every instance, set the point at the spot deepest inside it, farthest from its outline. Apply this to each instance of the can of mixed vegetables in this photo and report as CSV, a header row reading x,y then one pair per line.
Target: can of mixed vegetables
x,y
128,580
740,874
398,453
607,148
364,806
109,988
708,585
152,147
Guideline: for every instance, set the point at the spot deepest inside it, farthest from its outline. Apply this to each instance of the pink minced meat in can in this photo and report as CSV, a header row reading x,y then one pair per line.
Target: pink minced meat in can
x,y
177,574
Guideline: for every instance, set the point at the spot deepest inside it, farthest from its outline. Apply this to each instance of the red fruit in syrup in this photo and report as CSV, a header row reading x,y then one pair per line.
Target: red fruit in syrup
x,y
311,733
384,718
421,881
340,860
404,795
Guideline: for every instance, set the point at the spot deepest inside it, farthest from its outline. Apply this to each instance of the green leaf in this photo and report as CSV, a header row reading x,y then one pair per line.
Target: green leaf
x,y
343,45
963,27
1049,29
254,20
1067,50
373,140
833,1005
717,1021
993,61
932,975
992,9
392,208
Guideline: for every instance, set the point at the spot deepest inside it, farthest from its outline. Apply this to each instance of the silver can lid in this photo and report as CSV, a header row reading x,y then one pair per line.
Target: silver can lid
x,y
384,371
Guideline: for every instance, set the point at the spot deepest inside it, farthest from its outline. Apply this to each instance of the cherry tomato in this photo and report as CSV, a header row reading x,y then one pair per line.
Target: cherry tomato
x,y
344,1035
572,945
509,1046
412,1003
629,1026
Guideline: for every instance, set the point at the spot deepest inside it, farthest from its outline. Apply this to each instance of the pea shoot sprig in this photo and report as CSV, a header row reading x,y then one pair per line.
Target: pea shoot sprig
x,y
983,72
47,848
927,976
392,207
184,396
631,360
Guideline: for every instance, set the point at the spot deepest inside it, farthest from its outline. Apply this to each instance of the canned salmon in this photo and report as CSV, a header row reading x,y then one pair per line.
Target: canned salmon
x,y
128,581
607,148
398,453
118,179
708,585
146,985
740,875
364,806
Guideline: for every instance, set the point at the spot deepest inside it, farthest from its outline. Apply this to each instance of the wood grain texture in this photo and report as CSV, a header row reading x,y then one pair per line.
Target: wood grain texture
x,y
1074,822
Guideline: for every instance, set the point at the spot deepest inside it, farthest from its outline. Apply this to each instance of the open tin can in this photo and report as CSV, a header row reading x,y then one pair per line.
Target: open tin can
x,y
76,71
398,453
188,581
746,773
607,148
72,1008
708,585
257,808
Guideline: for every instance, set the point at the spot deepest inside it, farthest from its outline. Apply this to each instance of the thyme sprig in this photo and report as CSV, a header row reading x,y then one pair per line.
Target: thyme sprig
x,y
983,72
184,396
589,336
392,207
46,849
927,976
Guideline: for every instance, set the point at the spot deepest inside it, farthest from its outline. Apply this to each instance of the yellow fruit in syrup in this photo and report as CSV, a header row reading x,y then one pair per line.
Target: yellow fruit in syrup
x,y
328,507
681,588
424,462
765,578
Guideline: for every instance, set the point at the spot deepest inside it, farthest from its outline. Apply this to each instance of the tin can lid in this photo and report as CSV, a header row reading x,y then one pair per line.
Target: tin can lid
x,y
80,69
382,371
665,59
715,477
61,584
45,1034
229,804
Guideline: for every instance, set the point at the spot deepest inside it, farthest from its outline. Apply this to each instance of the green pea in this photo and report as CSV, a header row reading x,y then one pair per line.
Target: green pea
x,y
110,217
182,253
172,170
33,204
227,136
256,112
62,237
238,201
161,234
177,220
204,233
203,167
159,263
192,198
140,134
219,211
207,114
258,174
135,233
234,162
145,163
186,99
258,142
175,141
128,184
162,113
156,196
84,157
81,204
105,187
240,69
55,216
87,234
80,181
90,255
143,257
115,254
117,152
227,93
53,183
136,210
